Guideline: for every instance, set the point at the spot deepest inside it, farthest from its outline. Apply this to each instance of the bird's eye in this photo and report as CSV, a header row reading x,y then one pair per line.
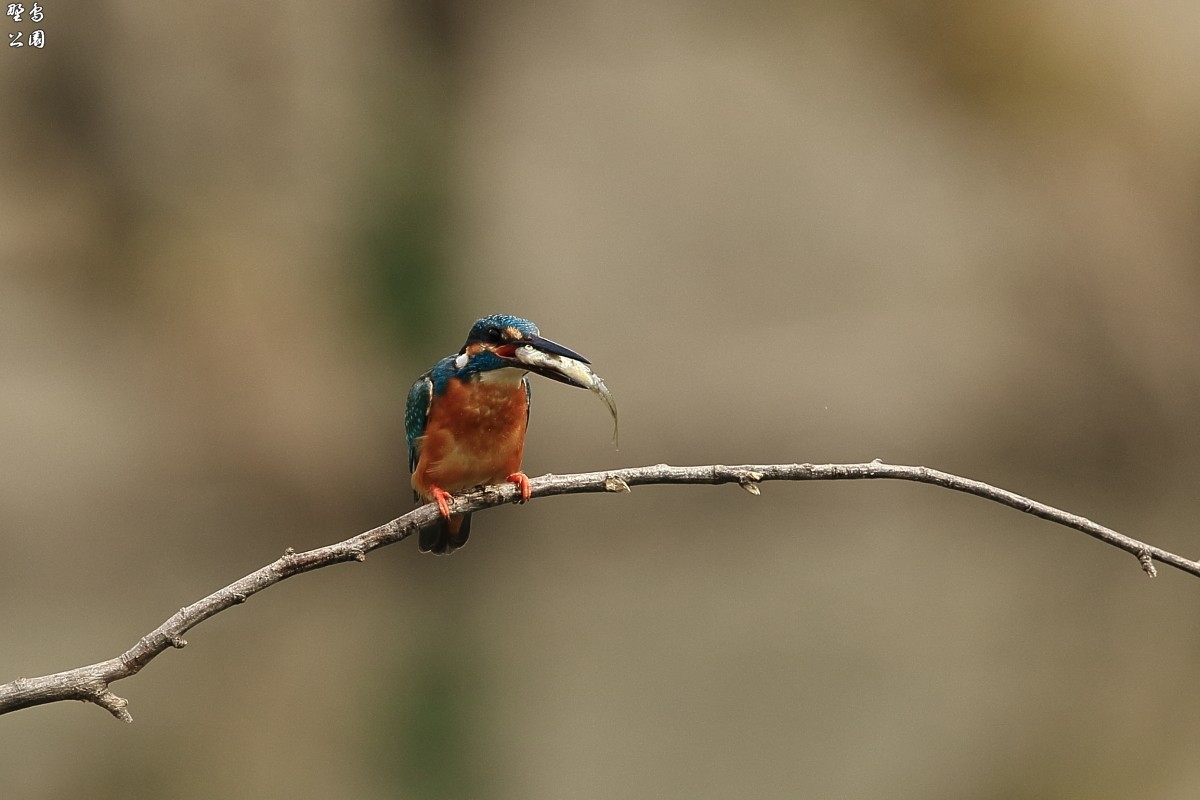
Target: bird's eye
x,y
492,336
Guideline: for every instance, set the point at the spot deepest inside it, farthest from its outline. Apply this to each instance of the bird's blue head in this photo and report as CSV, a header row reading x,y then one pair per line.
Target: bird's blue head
x,y
499,329
493,342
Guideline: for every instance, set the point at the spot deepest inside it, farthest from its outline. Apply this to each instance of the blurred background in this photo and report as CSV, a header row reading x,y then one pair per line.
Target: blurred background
x,y
954,234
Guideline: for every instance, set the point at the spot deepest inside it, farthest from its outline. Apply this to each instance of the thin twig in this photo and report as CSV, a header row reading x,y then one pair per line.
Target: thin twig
x,y
91,683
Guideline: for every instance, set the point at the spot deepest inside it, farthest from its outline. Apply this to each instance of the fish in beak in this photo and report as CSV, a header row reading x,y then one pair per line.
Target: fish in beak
x,y
552,360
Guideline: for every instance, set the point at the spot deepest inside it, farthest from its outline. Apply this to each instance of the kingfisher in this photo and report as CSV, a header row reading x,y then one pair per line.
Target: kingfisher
x,y
466,419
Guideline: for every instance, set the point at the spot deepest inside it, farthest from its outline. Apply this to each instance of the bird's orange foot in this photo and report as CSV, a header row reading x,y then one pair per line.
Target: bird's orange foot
x,y
442,499
521,480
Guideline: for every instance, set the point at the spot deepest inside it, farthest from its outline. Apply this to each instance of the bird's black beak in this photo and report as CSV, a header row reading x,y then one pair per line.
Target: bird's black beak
x,y
547,346
551,367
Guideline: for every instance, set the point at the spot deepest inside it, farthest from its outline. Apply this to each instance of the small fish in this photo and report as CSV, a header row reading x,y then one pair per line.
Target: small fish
x,y
570,371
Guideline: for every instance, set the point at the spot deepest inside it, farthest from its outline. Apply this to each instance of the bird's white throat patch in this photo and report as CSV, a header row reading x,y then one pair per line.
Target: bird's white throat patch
x,y
505,376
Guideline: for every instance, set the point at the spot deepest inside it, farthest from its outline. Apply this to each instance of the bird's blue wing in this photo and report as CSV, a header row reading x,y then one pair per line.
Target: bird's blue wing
x,y
416,414
528,400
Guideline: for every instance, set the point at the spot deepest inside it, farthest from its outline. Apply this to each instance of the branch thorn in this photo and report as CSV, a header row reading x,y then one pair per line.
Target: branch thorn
x,y
1147,563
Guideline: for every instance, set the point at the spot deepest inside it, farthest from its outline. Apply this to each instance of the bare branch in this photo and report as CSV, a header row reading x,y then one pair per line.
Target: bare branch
x,y
91,683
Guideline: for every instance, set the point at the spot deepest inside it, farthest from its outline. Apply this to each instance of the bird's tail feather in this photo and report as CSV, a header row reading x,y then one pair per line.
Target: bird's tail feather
x,y
446,535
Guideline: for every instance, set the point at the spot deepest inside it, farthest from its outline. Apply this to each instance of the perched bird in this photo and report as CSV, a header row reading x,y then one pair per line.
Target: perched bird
x,y
466,417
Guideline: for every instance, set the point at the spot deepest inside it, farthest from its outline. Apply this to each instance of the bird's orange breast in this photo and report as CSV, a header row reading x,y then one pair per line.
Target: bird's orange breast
x,y
475,435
